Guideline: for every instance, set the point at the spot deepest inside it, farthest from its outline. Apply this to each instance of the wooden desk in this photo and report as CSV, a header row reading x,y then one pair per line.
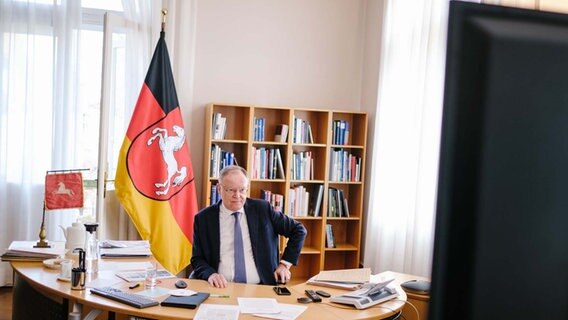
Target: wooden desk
x,y
45,281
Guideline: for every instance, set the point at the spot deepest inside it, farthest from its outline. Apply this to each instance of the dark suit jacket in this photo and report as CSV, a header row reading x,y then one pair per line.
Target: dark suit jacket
x,y
264,226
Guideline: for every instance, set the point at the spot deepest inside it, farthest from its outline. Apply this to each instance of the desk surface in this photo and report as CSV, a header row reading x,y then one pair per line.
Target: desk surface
x,y
45,280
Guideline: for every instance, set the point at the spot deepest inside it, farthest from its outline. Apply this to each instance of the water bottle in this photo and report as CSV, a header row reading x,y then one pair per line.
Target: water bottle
x,y
91,248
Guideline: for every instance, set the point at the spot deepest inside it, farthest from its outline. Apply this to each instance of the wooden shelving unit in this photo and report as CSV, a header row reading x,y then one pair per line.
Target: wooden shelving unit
x,y
239,139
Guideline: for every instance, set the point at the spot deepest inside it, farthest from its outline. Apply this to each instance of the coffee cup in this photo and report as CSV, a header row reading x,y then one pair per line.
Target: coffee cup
x,y
66,266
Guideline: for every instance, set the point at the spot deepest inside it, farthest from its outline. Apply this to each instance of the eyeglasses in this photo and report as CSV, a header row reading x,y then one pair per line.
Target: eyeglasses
x,y
237,190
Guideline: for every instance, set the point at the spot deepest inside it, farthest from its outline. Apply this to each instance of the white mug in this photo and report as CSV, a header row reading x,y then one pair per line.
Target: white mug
x,y
66,266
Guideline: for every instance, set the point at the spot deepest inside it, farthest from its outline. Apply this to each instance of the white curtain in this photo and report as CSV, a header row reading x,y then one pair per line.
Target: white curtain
x,y
38,95
400,219
40,127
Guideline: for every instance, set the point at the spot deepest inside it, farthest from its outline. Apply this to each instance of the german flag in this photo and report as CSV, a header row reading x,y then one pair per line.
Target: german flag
x,y
154,180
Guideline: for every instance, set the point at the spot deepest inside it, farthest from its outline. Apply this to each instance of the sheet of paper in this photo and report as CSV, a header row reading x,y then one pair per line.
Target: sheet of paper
x,y
217,312
258,305
154,292
122,266
135,276
125,243
287,312
361,275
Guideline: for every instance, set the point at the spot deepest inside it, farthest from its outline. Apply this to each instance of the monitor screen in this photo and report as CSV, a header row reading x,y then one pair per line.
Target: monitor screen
x,y
501,239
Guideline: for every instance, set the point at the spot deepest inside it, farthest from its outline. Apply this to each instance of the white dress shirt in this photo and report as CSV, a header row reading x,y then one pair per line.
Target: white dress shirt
x,y
227,254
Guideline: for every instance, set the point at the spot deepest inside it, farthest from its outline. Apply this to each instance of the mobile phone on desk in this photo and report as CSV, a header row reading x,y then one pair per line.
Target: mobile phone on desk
x,y
282,291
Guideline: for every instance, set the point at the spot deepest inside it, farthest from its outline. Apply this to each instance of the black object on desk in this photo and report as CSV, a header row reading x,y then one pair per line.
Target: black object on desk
x,y
416,286
189,302
180,284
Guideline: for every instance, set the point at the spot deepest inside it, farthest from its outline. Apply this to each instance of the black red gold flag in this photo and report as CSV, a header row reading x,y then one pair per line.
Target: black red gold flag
x,y
154,180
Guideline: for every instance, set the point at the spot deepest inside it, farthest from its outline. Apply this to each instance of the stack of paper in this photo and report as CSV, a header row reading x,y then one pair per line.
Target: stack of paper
x,y
25,251
125,249
350,279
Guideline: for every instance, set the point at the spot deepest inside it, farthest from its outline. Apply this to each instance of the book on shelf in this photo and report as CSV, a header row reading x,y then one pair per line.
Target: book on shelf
x,y
259,126
310,135
345,207
318,200
281,133
342,204
329,238
281,173
219,126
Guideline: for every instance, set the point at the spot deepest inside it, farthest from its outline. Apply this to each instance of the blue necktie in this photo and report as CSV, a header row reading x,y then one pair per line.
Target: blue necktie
x,y
240,271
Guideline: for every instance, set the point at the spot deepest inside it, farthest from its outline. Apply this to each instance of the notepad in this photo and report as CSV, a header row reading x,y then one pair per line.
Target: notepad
x,y
189,302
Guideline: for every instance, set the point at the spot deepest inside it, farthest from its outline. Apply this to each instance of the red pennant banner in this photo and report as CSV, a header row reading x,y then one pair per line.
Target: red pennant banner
x,y
63,190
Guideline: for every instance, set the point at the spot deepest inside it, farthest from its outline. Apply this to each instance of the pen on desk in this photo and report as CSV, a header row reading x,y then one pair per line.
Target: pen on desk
x,y
216,295
134,286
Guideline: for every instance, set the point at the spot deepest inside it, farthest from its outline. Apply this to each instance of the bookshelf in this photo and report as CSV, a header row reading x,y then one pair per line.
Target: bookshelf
x,y
323,153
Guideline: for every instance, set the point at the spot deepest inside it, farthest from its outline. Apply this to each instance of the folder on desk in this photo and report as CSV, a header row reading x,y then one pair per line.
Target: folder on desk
x,y
189,302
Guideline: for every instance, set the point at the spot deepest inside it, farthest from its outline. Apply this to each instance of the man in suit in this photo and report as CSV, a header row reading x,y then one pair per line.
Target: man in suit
x,y
214,242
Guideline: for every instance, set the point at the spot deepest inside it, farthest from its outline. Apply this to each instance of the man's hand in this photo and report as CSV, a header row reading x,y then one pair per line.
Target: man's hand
x,y
282,274
217,280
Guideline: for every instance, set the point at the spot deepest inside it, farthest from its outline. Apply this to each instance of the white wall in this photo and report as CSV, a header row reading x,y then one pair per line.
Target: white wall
x,y
297,53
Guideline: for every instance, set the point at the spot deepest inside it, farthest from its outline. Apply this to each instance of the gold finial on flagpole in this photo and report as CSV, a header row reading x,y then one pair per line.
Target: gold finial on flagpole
x,y
164,14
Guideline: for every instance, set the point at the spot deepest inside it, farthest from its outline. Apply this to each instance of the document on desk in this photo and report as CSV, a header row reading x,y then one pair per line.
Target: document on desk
x,y
125,249
349,279
25,251
217,312
140,275
258,305
360,276
287,312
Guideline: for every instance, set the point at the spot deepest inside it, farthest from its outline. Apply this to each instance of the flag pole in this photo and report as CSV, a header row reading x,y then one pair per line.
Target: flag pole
x,y
164,14
42,243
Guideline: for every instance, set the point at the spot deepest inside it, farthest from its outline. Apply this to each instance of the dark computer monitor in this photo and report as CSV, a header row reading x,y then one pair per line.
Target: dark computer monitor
x,y
501,239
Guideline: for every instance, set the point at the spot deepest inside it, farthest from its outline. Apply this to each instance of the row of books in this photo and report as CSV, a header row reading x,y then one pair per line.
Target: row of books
x,y
219,127
298,201
302,131
302,166
337,204
215,196
344,166
275,199
340,132
258,131
300,204
267,163
219,159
